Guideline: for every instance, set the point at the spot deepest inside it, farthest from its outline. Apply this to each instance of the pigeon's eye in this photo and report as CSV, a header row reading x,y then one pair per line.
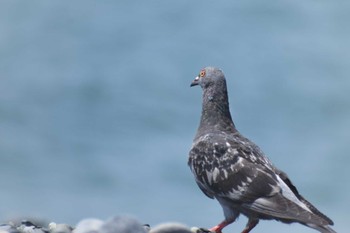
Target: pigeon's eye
x,y
202,73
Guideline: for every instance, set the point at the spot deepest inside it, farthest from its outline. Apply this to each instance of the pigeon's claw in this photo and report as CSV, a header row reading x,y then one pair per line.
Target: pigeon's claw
x,y
219,227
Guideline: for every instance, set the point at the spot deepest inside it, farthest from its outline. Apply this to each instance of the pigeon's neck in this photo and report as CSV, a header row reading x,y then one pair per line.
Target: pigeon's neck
x,y
216,112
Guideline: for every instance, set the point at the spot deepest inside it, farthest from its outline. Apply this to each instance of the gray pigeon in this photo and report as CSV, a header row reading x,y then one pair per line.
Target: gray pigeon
x,y
233,170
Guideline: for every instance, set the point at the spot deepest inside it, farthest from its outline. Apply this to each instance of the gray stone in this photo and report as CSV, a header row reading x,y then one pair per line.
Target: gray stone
x,y
122,225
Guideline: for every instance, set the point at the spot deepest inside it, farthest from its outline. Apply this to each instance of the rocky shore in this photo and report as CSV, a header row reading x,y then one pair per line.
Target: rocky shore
x,y
120,224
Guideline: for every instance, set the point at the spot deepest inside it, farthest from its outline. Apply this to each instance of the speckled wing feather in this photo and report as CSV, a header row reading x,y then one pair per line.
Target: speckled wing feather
x,y
230,166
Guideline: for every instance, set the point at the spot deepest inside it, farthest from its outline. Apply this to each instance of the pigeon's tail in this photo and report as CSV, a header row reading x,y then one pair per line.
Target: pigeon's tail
x,y
315,210
286,210
282,175
308,215
323,225
322,229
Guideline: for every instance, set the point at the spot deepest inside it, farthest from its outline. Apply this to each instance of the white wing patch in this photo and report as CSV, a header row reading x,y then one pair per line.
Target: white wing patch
x,y
213,176
209,177
216,174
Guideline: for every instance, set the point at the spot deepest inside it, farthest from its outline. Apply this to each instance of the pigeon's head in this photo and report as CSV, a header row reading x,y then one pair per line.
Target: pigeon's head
x,y
209,76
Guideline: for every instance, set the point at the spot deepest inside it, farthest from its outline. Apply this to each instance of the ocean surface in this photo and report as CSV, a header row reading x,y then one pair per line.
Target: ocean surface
x,y
97,116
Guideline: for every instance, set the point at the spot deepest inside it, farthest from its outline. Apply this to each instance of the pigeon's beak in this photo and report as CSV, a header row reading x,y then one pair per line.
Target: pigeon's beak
x,y
195,82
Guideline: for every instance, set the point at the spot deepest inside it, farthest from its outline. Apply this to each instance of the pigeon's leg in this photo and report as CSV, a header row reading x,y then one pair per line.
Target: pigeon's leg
x,y
252,222
220,226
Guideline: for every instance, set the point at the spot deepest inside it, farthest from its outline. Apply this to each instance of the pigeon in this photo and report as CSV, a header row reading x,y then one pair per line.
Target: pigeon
x,y
233,170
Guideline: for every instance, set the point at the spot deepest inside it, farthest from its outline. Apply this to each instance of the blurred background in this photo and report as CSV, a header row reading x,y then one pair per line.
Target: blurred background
x,y
97,116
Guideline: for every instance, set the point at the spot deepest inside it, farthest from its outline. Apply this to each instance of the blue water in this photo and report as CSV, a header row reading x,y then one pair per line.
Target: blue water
x,y
97,116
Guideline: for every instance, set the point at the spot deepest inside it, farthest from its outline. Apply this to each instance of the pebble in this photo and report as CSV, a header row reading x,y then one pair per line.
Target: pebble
x,y
122,225
170,228
59,228
88,225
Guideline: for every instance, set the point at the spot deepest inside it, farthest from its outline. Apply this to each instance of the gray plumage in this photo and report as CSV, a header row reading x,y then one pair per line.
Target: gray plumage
x,y
233,170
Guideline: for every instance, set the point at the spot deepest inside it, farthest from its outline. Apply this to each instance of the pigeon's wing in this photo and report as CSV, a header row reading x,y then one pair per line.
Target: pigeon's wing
x,y
221,168
224,171
252,153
